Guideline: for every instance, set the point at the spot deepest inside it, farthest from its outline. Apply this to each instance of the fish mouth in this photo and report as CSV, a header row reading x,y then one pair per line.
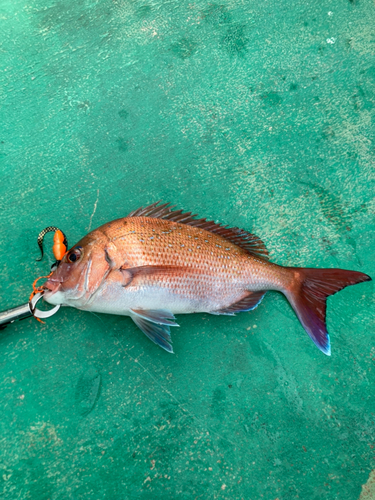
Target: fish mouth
x,y
52,285
78,292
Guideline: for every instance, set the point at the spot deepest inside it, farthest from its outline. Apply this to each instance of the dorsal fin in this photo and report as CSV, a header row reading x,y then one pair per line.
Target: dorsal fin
x,y
243,239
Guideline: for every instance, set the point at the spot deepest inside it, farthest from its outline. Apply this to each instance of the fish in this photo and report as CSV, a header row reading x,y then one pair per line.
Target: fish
x,y
158,262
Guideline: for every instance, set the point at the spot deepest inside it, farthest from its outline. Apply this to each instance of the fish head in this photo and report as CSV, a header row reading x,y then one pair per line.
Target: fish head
x,y
80,273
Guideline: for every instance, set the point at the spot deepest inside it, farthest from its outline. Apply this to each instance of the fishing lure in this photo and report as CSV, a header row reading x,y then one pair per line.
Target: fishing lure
x,y
60,245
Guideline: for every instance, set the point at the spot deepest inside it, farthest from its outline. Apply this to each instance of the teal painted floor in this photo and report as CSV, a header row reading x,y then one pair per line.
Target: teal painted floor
x,y
258,114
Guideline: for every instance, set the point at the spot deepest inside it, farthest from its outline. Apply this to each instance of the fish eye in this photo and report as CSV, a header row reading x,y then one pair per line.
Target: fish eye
x,y
74,255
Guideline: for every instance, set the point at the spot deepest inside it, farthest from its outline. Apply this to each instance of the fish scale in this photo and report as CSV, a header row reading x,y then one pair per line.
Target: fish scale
x,y
223,270
158,242
158,262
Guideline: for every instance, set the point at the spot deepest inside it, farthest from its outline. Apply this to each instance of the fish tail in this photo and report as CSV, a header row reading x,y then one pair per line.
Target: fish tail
x,y
308,294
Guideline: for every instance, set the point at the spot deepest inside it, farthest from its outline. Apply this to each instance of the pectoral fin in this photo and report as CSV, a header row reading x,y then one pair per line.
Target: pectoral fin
x,y
137,276
149,323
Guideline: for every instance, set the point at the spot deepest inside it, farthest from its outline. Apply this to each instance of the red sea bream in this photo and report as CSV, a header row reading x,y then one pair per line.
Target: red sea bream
x,y
156,263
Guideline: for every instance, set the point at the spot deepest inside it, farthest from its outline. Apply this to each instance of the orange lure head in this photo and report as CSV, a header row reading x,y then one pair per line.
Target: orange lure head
x,y
60,243
59,247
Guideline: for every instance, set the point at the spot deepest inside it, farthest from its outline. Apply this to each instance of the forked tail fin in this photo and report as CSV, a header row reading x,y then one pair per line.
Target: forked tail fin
x,y
308,297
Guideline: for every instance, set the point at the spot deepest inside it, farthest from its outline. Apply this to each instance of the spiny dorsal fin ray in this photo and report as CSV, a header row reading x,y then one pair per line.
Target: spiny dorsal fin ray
x,y
240,237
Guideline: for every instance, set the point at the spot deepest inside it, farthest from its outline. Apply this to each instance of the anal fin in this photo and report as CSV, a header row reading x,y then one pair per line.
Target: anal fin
x,y
248,303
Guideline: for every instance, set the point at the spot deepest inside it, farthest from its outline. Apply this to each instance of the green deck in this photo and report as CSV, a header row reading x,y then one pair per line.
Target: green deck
x,y
254,113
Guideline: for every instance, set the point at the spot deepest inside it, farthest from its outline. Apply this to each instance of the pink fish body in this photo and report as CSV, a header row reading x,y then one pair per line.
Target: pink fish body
x,y
157,262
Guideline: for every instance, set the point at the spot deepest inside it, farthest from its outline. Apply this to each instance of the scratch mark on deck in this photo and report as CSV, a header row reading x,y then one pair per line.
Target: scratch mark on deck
x,y
93,212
